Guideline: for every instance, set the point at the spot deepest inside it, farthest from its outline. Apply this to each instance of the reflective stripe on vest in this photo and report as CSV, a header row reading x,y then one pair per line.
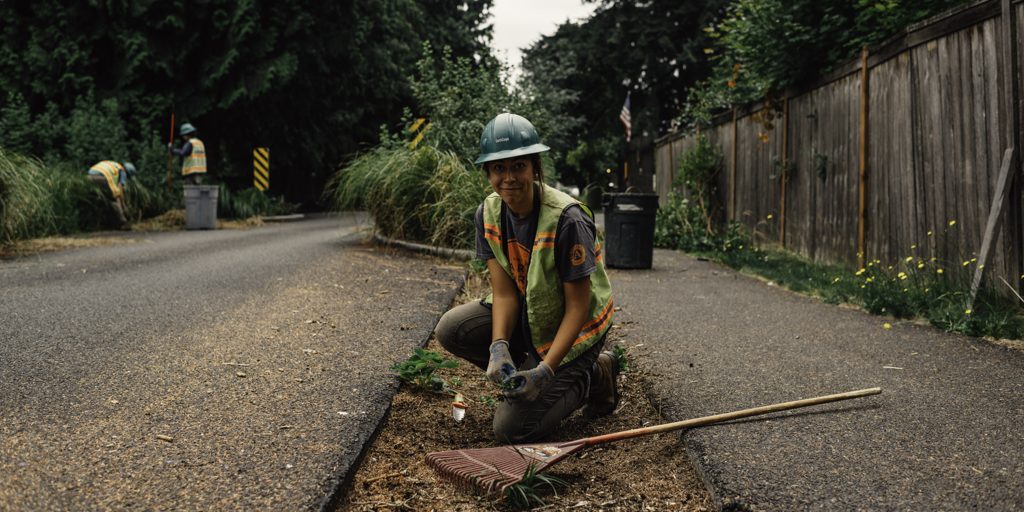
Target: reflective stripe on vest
x,y
195,162
545,298
112,172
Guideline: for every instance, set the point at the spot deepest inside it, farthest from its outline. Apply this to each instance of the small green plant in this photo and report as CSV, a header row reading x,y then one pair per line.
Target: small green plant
x,y
419,369
489,401
526,493
620,355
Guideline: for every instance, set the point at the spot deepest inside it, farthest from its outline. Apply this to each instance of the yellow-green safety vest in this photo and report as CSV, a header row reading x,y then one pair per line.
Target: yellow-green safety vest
x,y
110,170
545,298
195,162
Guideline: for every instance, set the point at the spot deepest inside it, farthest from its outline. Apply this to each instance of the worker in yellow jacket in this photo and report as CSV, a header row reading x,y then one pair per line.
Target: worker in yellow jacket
x,y
113,176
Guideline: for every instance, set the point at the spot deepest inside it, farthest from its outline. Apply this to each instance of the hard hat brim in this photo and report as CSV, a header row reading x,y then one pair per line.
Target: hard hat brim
x,y
511,153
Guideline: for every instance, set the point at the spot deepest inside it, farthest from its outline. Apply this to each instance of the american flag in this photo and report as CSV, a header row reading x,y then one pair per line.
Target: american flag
x,y
625,118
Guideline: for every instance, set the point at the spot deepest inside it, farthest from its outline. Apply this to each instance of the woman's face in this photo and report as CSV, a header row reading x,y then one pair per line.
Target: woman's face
x,y
512,179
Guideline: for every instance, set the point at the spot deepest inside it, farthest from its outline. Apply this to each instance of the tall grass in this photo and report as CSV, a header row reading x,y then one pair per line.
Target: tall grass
x,y
422,195
36,200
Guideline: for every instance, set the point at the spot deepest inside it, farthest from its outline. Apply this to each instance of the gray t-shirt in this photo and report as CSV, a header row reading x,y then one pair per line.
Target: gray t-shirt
x,y
574,241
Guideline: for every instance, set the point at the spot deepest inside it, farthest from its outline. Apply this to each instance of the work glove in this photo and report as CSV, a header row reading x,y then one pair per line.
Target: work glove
x,y
500,366
528,385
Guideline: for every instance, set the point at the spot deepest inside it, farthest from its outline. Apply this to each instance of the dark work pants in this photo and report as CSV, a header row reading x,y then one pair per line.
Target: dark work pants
x,y
115,203
465,331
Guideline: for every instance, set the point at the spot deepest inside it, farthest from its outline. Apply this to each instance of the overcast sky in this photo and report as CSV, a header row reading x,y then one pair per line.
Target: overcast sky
x,y
519,23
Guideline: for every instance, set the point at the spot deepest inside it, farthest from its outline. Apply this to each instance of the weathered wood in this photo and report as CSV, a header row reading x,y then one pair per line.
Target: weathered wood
x,y
732,170
862,190
937,124
995,214
1008,169
784,171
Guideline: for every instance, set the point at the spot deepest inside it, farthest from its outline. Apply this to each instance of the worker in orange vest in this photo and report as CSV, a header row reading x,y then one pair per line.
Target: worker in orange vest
x,y
113,176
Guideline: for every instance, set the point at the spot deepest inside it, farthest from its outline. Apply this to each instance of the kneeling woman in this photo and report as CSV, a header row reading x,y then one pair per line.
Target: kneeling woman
x,y
540,334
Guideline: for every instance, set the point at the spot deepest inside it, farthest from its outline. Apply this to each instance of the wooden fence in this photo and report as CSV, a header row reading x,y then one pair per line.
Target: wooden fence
x,y
931,113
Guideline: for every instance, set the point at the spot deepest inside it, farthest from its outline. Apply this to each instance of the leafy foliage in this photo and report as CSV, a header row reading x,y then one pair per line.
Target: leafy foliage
x,y
760,47
99,80
651,49
419,369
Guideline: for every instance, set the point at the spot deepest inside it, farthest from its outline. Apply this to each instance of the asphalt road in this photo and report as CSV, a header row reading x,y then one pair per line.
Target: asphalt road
x,y
204,370
945,434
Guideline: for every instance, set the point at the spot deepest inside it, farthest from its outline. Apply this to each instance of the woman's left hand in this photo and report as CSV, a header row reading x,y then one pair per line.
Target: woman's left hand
x,y
528,385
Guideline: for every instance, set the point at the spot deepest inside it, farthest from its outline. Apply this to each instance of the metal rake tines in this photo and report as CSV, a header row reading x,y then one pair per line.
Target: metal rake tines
x,y
484,469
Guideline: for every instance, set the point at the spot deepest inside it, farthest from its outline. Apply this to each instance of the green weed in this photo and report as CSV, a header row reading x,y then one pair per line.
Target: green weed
x,y
620,355
419,369
526,493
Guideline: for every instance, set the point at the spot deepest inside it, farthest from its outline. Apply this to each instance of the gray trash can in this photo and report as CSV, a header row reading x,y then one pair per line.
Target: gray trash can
x,y
201,206
629,229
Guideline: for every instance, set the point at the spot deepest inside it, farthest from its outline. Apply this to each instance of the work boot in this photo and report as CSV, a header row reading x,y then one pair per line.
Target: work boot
x,y
604,391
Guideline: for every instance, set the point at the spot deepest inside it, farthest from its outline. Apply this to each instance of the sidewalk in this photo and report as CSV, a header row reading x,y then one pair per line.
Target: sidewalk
x,y
947,432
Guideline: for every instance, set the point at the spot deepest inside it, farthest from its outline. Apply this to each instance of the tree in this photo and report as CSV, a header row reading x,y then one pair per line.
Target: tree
x,y
312,80
651,50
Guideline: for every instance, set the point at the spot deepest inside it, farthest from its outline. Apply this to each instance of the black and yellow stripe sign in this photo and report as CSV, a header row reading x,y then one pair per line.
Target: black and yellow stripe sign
x,y
261,168
420,129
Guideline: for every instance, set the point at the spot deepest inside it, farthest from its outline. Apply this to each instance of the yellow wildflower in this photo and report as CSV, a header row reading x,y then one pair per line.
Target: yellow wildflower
x,y
887,325
836,280
769,217
861,271
930,232
920,264
902,275
914,246
968,311
952,223
869,280
967,262
909,259
940,271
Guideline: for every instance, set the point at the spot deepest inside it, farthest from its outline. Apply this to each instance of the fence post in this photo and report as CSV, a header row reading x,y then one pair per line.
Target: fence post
x,y
732,171
862,193
784,171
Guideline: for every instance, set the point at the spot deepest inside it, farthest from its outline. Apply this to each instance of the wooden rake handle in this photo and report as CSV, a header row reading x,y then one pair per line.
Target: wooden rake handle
x,y
718,418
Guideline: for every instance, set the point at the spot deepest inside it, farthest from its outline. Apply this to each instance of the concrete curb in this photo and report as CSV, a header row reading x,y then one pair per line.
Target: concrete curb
x,y
283,218
443,252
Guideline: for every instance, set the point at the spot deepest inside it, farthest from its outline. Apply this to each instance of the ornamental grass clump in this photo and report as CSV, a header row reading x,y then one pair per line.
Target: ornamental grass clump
x,y
36,200
423,195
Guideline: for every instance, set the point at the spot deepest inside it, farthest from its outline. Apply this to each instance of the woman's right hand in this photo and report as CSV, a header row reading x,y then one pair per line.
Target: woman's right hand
x,y
500,366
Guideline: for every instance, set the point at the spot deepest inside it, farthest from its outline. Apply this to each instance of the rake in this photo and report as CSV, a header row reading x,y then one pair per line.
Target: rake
x,y
492,470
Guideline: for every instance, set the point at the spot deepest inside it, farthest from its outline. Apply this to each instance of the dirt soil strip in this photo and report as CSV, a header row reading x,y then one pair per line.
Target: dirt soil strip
x,y
646,473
